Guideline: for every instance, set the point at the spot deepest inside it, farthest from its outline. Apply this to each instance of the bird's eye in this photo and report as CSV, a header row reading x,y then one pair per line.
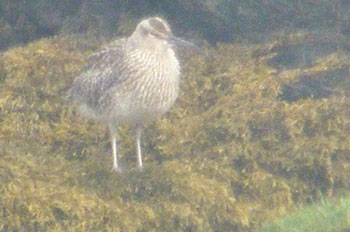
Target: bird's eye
x,y
153,34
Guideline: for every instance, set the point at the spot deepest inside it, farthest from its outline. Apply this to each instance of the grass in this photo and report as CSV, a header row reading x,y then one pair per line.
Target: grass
x,y
326,216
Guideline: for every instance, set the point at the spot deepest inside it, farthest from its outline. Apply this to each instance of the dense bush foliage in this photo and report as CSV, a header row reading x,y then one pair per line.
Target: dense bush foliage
x,y
237,149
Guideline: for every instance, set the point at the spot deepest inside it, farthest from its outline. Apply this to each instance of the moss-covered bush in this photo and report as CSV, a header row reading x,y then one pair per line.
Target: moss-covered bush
x,y
234,151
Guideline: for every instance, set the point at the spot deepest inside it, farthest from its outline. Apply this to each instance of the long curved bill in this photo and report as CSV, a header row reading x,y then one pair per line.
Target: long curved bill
x,y
180,42
174,41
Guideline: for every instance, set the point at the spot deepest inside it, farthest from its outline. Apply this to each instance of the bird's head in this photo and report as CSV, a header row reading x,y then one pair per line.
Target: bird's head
x,y
156,32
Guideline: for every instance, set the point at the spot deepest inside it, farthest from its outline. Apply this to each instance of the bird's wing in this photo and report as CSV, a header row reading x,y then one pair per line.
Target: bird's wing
x,y
103,70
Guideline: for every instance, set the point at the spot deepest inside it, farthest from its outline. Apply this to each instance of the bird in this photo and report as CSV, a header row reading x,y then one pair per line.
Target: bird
x,y
132,81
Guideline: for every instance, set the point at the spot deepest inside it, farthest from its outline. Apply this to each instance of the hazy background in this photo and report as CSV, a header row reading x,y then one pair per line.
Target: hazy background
x,y
259,139
215,21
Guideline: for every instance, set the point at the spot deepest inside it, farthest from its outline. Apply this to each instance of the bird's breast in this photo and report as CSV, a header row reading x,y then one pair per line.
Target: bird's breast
x,y
155,85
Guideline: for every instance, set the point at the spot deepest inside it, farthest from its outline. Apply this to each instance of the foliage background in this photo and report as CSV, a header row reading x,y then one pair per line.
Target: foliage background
x,y
261,126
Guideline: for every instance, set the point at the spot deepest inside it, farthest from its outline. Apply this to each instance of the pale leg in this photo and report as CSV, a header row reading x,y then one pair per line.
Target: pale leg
x,y
114,148
115,155
138,145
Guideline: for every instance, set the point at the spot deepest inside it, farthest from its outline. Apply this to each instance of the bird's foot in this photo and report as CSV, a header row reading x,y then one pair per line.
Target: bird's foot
x,y
137,169
117,169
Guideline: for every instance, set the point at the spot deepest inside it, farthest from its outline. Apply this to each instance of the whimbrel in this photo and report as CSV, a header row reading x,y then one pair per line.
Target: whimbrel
x,y
132,80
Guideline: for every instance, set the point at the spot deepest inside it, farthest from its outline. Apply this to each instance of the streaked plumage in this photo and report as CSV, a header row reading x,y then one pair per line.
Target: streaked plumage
x,y
132,80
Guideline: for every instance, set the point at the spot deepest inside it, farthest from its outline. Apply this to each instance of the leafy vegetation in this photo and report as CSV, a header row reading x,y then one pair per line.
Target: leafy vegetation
x,y
235,151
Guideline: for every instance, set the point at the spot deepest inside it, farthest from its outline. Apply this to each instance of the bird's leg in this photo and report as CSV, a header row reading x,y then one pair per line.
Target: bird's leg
x,y
115,154
138,145
112,130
